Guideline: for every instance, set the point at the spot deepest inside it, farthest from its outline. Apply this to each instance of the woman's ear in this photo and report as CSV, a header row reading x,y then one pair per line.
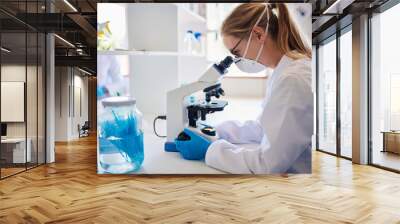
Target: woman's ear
x,y
259,34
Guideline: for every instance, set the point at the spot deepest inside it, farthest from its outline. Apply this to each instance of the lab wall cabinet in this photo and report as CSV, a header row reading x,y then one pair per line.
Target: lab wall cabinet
x,y
150,27
153,74
165,64
158,59
161,27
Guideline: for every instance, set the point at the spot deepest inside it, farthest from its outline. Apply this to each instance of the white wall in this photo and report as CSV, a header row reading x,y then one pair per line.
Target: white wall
x,y
70,83
13,101
33,125
149,81
79,117
152,27
244,87
15,73
61,103
301,14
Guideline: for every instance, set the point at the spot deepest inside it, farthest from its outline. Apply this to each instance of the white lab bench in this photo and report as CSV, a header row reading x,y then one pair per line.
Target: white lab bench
x,y
158,161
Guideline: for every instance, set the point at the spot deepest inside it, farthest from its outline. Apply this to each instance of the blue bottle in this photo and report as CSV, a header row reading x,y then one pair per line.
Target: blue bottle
x,y
120,136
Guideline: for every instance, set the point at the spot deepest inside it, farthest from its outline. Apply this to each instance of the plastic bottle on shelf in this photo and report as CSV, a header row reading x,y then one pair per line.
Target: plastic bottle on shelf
x,y
199,46
188,42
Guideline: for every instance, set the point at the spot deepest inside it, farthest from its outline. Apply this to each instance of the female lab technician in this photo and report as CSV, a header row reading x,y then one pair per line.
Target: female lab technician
x,y
279,140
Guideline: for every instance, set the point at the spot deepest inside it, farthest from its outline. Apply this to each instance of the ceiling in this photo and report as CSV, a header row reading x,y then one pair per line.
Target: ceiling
x,y
75,21
332,15
72,20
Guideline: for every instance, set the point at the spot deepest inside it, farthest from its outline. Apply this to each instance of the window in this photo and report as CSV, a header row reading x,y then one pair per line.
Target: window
x,y
346,93
335,74
394,101
314,87
22,76
385,89
327,96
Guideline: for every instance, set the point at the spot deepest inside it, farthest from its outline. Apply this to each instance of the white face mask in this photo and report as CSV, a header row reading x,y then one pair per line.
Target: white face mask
x,y
250,65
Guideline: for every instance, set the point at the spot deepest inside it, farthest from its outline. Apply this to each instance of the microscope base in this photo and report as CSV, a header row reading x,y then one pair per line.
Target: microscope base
x,y
171,146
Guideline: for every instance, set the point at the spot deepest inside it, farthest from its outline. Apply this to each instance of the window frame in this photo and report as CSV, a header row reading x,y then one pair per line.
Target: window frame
x,y
334,37
381,9
25,30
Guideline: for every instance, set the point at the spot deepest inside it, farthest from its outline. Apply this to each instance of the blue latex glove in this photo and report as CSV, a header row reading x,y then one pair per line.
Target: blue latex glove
x,y
194,148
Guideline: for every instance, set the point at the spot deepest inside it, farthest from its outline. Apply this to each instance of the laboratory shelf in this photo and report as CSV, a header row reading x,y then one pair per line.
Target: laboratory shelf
x,y
147,53
192,14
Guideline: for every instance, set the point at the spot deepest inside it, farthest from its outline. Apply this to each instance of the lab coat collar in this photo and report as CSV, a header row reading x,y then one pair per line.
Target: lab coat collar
x,y
283,63
285,60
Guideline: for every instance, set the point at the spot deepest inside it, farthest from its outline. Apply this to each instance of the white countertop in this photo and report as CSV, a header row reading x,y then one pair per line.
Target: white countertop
x,y
158,161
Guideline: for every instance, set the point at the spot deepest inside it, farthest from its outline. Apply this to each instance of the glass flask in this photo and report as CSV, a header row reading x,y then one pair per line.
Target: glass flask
x,y
120,136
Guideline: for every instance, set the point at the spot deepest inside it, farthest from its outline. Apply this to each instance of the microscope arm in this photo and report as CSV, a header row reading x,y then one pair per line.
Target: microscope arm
x,y
176,111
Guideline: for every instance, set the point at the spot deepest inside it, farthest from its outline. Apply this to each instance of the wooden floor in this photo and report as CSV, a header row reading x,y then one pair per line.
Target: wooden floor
x,y
70,191
10,171
387,159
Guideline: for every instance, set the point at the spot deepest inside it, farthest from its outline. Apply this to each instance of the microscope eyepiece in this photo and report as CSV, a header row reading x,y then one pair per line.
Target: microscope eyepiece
x,y
224,64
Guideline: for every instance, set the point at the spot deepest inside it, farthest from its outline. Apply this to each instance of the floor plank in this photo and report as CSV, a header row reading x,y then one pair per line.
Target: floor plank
x,y
70,191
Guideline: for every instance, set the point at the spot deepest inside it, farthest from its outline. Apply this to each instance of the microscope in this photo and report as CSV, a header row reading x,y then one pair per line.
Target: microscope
x,y
180,115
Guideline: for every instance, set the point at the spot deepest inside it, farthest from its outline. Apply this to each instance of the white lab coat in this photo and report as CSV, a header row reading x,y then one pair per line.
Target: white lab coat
x,y
279,140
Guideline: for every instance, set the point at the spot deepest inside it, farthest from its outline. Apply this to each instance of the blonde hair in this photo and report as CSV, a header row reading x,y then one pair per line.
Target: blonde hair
x,y
282,28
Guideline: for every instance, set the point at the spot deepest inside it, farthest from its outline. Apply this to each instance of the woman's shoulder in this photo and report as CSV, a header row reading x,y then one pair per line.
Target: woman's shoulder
x,y
297,70
300,66
301,61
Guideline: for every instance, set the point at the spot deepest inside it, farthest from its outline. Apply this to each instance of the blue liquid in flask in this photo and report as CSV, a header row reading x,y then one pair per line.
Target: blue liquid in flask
x,y
121,144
